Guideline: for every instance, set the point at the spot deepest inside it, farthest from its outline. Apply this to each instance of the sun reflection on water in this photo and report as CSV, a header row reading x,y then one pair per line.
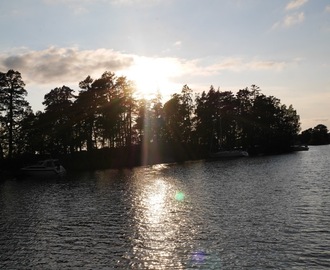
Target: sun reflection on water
x,y
154,202
156,245
165,236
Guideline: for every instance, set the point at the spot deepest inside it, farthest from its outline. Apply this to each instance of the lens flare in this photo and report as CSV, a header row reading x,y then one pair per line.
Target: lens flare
x,y
206,260
198,257
179,196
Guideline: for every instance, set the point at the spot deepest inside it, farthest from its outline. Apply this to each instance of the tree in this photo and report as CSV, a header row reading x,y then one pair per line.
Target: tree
x,y
316,136
157,118
34,132
58,119
216,118
245,99
178,116
127,105
306,136
13,107
150,120
247,119
320,135
104,111
86,111
115,110
142,121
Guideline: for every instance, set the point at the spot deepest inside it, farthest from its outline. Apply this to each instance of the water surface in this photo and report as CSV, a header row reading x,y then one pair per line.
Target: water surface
x,y
251,213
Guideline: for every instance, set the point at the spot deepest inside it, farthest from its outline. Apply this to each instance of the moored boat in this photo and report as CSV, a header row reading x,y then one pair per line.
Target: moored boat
x,y
44,168
229,154
299,148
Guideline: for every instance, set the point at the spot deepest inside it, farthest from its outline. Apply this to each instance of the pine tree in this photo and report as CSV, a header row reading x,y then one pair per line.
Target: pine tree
x,y
12,108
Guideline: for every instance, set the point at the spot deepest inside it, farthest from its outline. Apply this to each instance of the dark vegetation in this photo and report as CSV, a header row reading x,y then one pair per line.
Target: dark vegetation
x,y
104,125
315,136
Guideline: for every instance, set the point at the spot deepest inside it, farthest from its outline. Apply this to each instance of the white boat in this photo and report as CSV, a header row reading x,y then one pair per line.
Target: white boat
x,y
229,154
299,148
44,168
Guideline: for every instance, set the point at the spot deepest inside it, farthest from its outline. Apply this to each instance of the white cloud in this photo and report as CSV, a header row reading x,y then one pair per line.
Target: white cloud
x,y
177,43
294,19
290,20
238,65
295,4
64,65
71,65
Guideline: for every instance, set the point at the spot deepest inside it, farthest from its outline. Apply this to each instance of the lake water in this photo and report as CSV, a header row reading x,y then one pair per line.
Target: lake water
x,y
251,213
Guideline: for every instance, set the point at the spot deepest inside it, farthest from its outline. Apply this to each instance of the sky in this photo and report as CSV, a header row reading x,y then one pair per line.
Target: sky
x,y
281,46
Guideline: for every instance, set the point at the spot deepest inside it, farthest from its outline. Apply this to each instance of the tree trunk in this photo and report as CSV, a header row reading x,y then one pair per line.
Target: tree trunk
x,y
11,124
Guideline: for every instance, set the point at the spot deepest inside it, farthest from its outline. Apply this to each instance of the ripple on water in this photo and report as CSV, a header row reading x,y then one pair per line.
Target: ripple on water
x,y
255,213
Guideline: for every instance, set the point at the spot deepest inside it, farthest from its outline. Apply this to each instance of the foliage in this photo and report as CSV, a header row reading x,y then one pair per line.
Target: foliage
x,y
105,114
13,110
248,119
315,136
178,116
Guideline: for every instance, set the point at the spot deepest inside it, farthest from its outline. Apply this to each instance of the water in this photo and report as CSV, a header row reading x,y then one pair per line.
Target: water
x,y
252,213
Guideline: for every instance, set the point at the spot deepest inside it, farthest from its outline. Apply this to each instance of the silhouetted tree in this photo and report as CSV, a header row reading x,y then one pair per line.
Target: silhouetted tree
x,y
127,103
245,100
34,133
58,119
320,135
13,107
149,122
205,114
106,114
141,121
316,136
216,122
247,119
157,115
306,136
104,111
107,110
178,116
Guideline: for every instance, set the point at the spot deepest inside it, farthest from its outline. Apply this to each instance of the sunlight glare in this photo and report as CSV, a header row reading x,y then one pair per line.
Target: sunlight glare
x,y
152,75
155,202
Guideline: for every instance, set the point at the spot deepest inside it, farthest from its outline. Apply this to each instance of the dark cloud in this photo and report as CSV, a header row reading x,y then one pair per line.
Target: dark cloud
x,y
14,62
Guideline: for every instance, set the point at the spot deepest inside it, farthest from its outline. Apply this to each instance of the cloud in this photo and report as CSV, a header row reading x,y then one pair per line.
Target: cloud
x,y
177,43
295,4
290,20
327,9
64,65
79,7
71,65
136,3
294,19
231,64
321,120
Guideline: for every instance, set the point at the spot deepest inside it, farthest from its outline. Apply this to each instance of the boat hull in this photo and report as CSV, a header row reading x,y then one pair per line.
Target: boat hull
x,y
229,154
299,148
44,168
43,172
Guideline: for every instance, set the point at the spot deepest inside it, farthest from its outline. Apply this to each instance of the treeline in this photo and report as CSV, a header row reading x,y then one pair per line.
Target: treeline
x,y
318,135
105,114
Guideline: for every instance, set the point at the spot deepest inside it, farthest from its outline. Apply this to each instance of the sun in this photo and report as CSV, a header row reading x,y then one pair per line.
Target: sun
x,y
153,75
